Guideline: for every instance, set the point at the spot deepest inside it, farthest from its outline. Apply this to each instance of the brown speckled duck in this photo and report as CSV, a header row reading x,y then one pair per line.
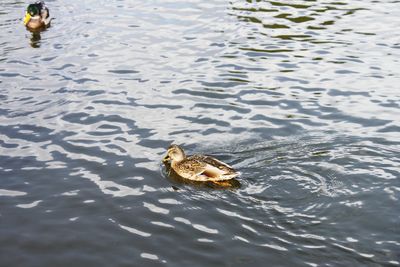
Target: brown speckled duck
x,y
198,168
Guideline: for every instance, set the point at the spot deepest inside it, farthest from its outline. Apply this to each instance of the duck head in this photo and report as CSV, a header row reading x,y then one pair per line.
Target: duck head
x,y
174,153
32,10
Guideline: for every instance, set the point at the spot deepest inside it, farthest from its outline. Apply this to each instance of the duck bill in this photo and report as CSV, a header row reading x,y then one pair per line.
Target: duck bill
x,y
166,158
27,18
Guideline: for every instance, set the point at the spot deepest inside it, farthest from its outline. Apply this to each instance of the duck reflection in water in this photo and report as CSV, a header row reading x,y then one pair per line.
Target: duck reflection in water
x,y
199,170
35,39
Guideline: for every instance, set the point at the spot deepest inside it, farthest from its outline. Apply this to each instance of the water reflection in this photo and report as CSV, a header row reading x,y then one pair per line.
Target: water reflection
x,y
35,39
293,22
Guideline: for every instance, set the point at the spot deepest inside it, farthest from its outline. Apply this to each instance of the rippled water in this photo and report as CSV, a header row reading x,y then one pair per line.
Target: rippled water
x,y
302,97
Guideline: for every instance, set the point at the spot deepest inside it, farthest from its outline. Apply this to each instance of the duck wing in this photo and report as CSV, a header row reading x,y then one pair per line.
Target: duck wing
x,y
213,169
45,14
213,162
190,168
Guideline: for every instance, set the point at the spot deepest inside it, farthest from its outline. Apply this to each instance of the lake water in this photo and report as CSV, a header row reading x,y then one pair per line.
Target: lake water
x,y
302,97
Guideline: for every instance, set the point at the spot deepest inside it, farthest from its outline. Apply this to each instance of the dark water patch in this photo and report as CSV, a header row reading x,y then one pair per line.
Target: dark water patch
x,y
295,19
163,106
241,68
17,62
7,145
277,50
205,121
390,128
311,89
336,92
201,59
221,84
84,80
130,102
357,120
223,107
32,89
182,132
123,71
275,26
261,102
65,66
78,81
254,9
85,119
238,75
211,131
345,72
7,74
105,130
155,143
49,58
207,94
33,133
287,79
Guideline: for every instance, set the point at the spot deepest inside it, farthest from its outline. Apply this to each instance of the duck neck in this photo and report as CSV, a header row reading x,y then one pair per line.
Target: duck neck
x,y
176,161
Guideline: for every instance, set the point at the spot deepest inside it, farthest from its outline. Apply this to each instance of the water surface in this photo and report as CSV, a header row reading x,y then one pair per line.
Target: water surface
x,y
301,97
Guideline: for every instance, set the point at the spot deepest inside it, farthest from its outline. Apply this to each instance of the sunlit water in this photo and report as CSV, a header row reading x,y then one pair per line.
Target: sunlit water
x,y
302,97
